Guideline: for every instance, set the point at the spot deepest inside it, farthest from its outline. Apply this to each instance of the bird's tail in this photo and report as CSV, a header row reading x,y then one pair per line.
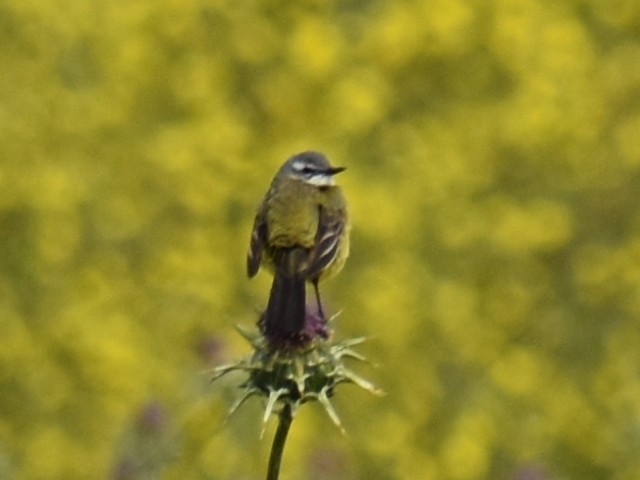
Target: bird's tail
x,y
286,310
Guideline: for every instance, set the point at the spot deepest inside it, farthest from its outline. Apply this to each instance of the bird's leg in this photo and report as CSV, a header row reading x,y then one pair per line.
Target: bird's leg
x,y
317,290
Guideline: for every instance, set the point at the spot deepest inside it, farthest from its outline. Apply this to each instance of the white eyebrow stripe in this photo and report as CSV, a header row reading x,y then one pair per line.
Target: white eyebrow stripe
x,y
298,165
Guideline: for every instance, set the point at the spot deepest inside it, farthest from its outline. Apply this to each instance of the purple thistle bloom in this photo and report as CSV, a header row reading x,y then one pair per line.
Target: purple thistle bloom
x,y
315,328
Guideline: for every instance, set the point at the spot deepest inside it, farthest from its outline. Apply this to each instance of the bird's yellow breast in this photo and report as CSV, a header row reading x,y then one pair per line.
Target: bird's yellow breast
x,y
293,215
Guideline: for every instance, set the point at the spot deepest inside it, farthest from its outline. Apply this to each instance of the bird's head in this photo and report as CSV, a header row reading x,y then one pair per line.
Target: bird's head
x,y
312,168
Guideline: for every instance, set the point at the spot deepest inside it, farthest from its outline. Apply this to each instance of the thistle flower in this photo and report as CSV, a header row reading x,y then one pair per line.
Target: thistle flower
x,y
289,371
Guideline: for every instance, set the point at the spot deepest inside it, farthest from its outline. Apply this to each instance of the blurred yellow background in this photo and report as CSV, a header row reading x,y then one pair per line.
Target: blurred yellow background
x,y
493,154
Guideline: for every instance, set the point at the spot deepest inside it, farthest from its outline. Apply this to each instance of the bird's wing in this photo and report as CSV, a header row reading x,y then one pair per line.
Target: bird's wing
x,y
330,230
257,244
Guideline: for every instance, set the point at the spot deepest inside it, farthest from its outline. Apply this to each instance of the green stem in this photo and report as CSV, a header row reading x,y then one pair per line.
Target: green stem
x,y
280,438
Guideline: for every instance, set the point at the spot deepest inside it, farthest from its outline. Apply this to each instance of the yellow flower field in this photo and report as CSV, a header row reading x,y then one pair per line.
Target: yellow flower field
x,y
493,154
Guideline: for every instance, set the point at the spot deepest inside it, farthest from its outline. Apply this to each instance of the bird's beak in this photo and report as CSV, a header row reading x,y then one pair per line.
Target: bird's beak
x,y
335,170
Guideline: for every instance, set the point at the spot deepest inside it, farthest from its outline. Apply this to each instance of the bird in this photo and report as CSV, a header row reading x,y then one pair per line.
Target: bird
x,y
301,234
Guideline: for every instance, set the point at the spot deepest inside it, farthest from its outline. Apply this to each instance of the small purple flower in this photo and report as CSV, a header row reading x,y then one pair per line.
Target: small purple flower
x,y
291,371
315,328
530,472
152,418
211,349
